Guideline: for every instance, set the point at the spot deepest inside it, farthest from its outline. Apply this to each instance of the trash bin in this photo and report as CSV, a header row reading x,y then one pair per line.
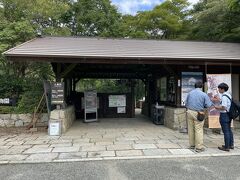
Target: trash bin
x,y
158,115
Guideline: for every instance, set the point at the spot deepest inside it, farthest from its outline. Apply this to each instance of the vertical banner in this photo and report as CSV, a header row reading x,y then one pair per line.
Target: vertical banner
x,y
171,89
90,98
90,103
188,83
163,89
213,80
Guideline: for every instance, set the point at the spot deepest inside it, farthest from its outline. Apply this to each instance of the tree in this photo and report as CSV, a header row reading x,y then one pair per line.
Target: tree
x,y
20,22
93,18
216,20
22,19
168,18
104,85
166,21
44,15
233,23
130,28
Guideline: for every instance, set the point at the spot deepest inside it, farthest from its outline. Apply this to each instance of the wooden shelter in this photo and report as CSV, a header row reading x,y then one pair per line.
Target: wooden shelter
x,y
74,58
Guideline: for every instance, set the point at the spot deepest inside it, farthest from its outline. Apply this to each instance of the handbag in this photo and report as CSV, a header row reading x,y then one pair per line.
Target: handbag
x,y
200,116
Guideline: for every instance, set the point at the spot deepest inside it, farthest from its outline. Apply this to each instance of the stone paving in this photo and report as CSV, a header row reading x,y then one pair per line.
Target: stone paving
x,y
107,139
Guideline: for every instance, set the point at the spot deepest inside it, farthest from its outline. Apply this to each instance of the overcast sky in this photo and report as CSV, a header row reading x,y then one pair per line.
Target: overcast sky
x,y
132,6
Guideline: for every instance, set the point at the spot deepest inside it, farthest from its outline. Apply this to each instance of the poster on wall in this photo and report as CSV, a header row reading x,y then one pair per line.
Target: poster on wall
x,y
171,89
90,103
83,102
213,80
117,100
188,83
163,89
121,110
90,100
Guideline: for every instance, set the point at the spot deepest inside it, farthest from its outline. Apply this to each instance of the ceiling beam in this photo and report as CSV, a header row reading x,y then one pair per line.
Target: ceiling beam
x,y
67,70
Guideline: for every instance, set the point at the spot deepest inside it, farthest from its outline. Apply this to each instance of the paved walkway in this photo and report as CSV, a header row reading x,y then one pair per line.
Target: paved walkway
x,y
107,139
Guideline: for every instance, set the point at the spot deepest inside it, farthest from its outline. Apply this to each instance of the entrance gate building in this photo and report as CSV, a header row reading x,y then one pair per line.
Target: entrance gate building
x,y
159,64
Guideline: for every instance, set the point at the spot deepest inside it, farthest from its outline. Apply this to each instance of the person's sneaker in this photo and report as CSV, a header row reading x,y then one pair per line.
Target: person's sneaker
x,y
231,147
199,150
192,147
223,149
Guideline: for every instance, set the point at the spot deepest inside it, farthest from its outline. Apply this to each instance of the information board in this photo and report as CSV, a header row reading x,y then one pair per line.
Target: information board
x,y
54,128
121,110
90,102
57,92
117,100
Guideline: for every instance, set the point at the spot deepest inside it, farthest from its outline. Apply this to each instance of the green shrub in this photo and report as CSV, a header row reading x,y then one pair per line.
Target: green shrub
x,y
7,109
10,86
29,99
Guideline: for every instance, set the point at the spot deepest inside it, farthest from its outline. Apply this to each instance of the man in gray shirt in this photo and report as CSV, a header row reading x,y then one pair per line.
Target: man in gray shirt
x,y
196,102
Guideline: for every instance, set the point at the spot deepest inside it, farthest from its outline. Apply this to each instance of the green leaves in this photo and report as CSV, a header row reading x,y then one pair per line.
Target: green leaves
x,y
216,20
102,86
10,86
95,18
166,21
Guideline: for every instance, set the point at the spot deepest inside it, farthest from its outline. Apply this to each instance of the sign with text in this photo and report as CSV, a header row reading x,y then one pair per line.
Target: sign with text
x,y
121,110
117,100
90,100
54,128
57,93
7,101
90,103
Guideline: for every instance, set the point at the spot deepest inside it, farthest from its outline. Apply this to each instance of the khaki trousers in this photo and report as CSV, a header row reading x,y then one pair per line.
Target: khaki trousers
x,y
195,129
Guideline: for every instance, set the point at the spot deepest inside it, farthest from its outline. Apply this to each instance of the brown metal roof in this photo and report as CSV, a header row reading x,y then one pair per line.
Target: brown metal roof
x,y
79,47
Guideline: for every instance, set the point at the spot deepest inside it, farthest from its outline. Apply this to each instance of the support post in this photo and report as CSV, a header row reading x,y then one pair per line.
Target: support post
x,y
58,74
133,97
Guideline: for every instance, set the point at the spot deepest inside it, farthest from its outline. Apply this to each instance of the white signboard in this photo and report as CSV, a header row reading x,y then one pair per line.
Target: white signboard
x,y
90,100
117,100
121,110
83,102
54,128
4,101
90,104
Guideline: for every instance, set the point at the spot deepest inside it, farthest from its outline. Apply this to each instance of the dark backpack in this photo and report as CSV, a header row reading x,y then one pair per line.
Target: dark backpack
x,y
234,110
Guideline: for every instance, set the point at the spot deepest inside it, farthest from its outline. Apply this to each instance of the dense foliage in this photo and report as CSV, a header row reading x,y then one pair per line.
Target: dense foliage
x,y
104,86
22,20
216,20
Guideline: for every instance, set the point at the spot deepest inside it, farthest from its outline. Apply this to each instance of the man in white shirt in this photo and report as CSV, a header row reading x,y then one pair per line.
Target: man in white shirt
x,y
225,121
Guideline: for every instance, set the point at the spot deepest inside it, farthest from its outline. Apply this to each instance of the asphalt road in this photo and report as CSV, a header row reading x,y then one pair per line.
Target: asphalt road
x,y
220,168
